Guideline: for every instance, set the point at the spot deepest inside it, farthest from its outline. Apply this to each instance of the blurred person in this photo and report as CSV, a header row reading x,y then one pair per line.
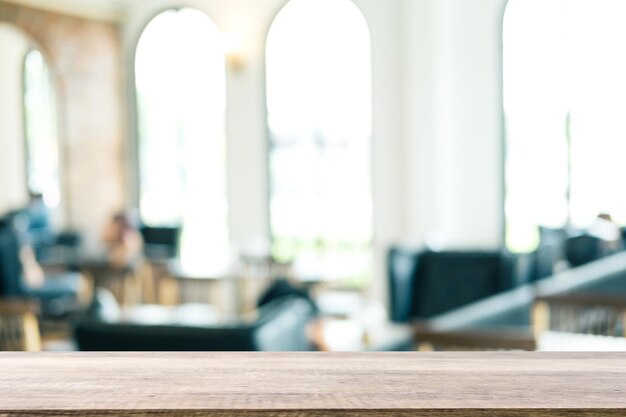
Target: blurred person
x,y
56,289
32,272
123,240
606,229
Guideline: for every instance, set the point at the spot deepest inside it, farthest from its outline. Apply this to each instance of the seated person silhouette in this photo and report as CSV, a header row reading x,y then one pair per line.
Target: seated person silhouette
x,y
122,240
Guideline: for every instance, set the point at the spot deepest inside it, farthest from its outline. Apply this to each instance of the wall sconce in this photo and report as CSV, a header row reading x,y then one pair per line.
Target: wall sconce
x,y
231,44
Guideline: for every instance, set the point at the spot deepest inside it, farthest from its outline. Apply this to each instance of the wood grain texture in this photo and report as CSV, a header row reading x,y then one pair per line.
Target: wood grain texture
x,y
313,384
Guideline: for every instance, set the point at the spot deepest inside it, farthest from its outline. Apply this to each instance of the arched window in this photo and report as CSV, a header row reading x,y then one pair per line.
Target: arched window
x,y
29,139
40,130
180,87
565,101
319,116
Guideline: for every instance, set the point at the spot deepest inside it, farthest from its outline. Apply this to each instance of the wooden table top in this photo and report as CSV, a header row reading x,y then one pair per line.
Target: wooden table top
x,y
313,384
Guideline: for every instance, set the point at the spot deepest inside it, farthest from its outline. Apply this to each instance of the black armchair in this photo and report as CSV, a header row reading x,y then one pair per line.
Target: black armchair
x,y
423,284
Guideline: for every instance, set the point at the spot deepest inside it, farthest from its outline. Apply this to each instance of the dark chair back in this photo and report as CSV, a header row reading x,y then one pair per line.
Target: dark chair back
x,y
447,280
160,242
69,238
583,249
11,284
401,271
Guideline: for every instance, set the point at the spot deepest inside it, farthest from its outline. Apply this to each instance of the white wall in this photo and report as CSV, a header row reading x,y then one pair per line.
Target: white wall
x,y
13,190
452,109
388,145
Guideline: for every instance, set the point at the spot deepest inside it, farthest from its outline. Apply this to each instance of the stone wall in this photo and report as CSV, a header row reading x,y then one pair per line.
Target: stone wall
x,y
86,59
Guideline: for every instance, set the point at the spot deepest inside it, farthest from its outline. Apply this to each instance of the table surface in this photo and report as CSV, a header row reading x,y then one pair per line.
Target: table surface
x,y
313,384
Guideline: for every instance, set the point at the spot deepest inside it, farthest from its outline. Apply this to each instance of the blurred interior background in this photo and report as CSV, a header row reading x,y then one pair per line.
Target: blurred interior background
x,y
312,175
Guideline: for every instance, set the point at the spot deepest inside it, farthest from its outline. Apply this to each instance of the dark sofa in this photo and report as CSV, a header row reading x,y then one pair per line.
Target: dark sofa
x,y
280,326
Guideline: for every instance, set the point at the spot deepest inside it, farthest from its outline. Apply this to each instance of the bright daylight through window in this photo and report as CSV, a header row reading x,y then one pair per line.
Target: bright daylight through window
x,y
319,115
180,84
565,101
42,147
